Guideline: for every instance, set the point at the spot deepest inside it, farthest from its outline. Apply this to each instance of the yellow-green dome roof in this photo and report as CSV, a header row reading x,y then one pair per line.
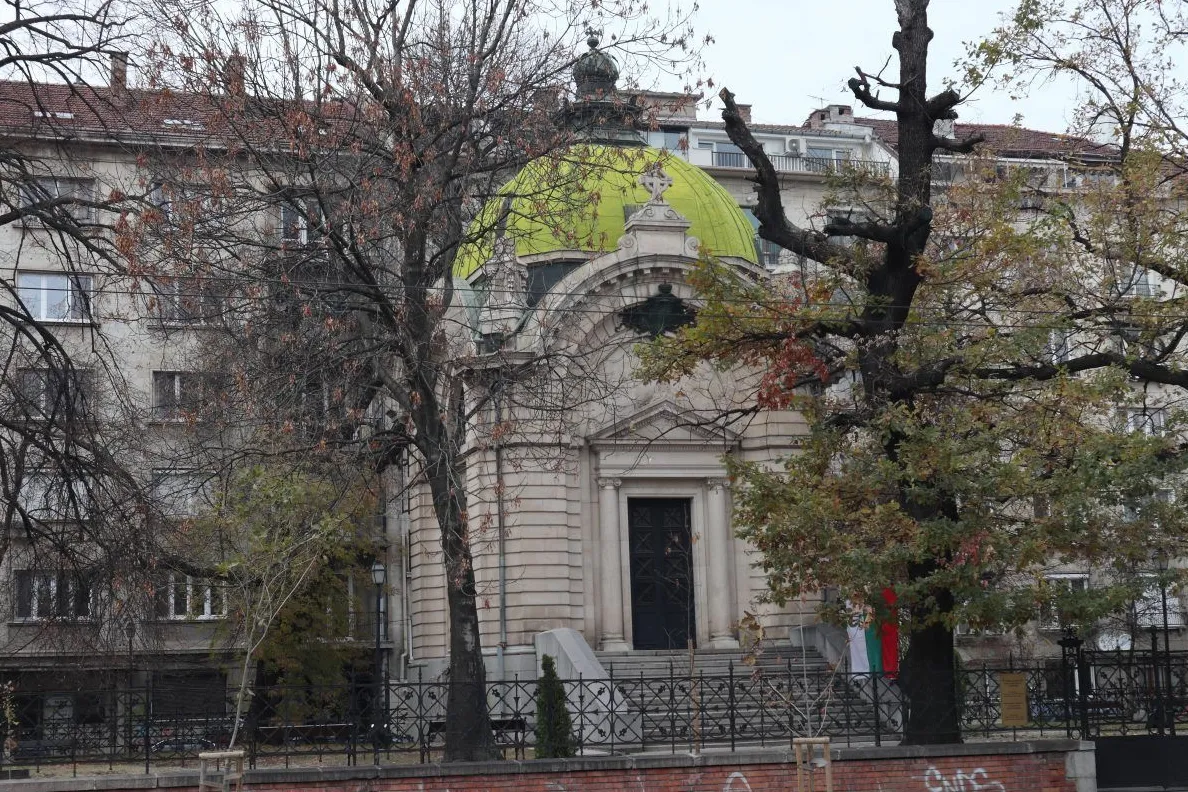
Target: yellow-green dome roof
x,y
578,201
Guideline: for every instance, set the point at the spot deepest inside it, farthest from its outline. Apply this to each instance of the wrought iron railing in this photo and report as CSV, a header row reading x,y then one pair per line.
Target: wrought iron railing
x,y
1102,695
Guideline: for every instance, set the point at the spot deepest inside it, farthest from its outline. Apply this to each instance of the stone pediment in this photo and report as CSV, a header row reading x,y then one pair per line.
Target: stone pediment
x,y
664,424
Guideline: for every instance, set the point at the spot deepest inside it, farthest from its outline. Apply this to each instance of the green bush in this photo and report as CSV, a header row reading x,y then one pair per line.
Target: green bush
x,y
554,730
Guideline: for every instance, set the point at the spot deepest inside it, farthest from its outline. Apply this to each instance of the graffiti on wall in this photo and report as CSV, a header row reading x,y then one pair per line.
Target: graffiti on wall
x,y
736,782
976,780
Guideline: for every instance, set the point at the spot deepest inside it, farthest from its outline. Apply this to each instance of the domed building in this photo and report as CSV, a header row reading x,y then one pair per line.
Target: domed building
x,y
599,510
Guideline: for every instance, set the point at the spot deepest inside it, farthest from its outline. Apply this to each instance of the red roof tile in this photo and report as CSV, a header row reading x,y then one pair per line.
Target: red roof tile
x,y
60,108
1005,140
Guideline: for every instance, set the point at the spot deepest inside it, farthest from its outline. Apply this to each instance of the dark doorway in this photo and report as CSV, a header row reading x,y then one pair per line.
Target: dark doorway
x,y
661,544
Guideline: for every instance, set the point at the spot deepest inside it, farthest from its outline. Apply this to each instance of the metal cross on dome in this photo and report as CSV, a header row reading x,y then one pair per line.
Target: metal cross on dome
x,y
656,181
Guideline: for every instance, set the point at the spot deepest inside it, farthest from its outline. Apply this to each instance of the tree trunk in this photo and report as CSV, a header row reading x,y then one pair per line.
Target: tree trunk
x,y
468,735
928,677
928,674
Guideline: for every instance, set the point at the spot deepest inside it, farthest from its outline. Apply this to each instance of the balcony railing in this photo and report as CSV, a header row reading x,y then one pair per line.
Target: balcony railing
x,y
794,164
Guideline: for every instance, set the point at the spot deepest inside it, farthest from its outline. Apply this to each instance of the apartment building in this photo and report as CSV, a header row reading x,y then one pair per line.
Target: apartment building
x,y
102,454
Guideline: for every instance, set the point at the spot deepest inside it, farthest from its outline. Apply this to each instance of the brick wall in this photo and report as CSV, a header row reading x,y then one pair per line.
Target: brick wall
x,y
1040,766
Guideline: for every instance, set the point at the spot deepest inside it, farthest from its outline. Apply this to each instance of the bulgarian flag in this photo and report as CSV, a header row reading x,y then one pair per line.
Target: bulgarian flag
x,y
874,648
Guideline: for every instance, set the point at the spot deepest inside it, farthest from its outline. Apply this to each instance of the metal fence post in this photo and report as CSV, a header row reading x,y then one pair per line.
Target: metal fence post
x,y
878,715
148,706
1160,705
731,704
611,713
643,725
672,716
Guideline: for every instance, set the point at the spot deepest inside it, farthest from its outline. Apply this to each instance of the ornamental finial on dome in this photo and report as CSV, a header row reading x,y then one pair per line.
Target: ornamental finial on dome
x,y
655,181
595,72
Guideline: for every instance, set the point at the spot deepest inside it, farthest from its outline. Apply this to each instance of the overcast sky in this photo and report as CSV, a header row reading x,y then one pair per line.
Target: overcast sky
x,y
786,57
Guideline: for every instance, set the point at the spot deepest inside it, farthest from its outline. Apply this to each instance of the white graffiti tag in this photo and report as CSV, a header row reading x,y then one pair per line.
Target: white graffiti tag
x,y
736,782
975,781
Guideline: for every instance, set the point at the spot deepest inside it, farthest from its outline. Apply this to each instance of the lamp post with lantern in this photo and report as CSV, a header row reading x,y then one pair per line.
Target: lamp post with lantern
x,y
379,575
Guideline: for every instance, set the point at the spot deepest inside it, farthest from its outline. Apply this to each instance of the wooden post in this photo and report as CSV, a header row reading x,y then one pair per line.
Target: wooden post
x,y
230,777
805,749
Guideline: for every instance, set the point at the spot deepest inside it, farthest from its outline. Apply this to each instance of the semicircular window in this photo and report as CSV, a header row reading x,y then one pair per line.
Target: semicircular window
x,y
661,313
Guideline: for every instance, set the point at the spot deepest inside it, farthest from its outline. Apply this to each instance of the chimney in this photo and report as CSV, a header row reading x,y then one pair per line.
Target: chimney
x,y
234,74
831,114
744,111
119,71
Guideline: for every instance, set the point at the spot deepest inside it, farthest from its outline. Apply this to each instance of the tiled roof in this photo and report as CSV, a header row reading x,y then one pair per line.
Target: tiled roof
x,y
772,129
1004,139
57,110
62,108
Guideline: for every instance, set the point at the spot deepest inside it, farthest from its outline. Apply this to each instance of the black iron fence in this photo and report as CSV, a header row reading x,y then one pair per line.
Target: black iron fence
x,y
1090,695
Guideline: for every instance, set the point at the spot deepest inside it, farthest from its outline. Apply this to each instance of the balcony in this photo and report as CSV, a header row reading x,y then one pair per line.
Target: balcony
x,y
795,164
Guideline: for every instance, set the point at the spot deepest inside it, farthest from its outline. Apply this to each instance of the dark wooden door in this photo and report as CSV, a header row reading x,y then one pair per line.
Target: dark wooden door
x,y
661,540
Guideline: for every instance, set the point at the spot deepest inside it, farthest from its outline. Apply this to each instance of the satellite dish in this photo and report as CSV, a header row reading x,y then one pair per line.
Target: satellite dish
x,y
1113,640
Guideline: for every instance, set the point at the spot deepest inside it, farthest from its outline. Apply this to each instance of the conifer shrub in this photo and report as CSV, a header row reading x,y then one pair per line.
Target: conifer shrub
x,y
554,729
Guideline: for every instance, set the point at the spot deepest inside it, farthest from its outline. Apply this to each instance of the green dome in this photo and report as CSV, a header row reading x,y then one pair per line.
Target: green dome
x,y
580,199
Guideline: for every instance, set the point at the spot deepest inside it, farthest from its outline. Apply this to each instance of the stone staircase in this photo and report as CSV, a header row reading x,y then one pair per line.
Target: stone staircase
x,y
713,697
711,662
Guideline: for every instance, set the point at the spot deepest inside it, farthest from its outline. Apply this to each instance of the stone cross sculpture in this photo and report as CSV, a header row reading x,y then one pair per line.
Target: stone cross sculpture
x,y
656,181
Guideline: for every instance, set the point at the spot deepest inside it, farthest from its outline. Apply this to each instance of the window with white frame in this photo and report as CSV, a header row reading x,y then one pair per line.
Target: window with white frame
x,y
188,300
1063,584
181,493
58,393
1145,420
1134,509
728,155
190,201
161,196
768,252
184,598
47,497
52,594
822,159
947,171
1148,608
1137,283
300,221
176,395
321,405
1060,346
55,296
673,139
40,195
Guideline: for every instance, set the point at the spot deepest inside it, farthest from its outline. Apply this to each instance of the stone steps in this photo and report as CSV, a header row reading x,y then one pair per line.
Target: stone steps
x,y
712,662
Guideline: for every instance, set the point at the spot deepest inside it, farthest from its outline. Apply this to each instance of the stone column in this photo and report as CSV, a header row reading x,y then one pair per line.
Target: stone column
x,y
611,574
717,555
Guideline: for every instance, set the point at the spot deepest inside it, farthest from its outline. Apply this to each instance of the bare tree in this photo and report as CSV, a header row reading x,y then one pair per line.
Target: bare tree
x,y
350,154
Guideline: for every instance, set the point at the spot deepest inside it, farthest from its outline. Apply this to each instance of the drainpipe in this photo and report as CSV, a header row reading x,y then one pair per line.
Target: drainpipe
x,y
500,521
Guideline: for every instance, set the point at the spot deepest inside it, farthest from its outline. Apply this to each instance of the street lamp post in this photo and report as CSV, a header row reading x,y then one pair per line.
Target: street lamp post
x,y
1173,708
379,573
130,631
